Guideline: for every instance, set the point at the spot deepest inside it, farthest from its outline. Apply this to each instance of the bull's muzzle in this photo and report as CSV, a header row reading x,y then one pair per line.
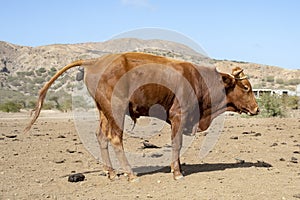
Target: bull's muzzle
x,y
255,111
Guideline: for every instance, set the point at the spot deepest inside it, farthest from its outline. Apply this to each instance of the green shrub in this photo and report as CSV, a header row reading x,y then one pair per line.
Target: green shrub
x,y
21,74
271,105
291,102
42,70
48,106
52,71
39,80
29,73
12,78
66,105
280,81
10,106
277,106
294,81
16,83
31,104
270,79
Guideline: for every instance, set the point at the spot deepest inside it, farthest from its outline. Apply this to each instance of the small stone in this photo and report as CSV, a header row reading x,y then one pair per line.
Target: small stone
x,y
297,196
38,134
245,132
274,144
11,136
103,173
294,160
257,134
76,177
240,161
70,151
234,137
156,155
147,144
60,161
281,159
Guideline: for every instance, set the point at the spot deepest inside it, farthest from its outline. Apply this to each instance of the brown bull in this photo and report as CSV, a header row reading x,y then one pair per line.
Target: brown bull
x,y
132,83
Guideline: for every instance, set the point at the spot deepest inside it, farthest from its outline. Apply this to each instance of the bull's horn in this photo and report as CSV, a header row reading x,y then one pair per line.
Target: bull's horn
x,y
237,71
219,71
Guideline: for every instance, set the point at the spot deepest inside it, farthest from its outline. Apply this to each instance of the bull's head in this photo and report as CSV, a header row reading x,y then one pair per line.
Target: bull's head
x,y
240,97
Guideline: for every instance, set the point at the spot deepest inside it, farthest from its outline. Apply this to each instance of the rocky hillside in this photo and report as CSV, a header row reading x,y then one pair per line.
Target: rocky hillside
x,y
25,69
23,58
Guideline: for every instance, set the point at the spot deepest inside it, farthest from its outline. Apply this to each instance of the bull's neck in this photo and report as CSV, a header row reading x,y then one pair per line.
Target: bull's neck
x,y
211,113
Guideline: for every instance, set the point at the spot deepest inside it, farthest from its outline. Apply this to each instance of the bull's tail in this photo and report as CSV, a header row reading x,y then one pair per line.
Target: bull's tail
x,y
44,90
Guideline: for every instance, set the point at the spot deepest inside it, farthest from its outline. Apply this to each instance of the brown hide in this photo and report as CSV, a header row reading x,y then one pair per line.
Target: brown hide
x,y
189,96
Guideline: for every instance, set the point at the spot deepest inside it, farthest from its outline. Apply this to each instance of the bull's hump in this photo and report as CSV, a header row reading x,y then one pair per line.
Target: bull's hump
x,y
149,58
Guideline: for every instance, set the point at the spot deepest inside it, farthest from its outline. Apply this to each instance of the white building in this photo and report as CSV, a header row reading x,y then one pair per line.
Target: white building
x,y
298,90
259,92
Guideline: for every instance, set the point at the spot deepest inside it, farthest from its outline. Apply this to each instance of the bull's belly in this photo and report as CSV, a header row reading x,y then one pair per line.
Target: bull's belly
x,y
156,110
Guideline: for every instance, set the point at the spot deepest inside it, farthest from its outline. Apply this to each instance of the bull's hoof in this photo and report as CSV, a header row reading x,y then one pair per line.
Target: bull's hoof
x,y
131,177
112,175
177,175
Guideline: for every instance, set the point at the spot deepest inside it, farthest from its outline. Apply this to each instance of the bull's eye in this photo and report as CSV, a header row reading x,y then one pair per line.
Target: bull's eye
x,y
246,87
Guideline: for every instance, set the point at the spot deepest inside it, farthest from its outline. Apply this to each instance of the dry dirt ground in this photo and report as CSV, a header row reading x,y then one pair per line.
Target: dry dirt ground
x,y
254,158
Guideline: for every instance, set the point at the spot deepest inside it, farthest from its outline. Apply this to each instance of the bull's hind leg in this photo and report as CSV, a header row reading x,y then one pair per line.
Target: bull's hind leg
x,y
176,147
177,125
117,143
102,136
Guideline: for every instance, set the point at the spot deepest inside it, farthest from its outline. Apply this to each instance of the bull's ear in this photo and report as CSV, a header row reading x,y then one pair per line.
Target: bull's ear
x,y
228,80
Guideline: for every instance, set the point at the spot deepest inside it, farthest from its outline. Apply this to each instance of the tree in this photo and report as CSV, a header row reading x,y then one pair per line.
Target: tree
x,y
55,99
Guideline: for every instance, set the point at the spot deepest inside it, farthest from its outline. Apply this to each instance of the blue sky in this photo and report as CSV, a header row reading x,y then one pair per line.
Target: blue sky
x,y
261,31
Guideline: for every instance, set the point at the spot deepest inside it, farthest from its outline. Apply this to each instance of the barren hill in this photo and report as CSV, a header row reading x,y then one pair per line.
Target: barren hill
x,y
23,58
35,65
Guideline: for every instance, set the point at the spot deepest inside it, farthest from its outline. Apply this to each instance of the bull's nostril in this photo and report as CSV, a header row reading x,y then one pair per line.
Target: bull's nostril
x,y
257,110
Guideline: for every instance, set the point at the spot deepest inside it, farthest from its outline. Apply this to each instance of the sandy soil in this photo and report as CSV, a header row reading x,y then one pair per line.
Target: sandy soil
x,y
254,158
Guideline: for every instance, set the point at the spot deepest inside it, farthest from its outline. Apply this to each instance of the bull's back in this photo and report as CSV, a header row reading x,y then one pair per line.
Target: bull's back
x,y
145,79
106,71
